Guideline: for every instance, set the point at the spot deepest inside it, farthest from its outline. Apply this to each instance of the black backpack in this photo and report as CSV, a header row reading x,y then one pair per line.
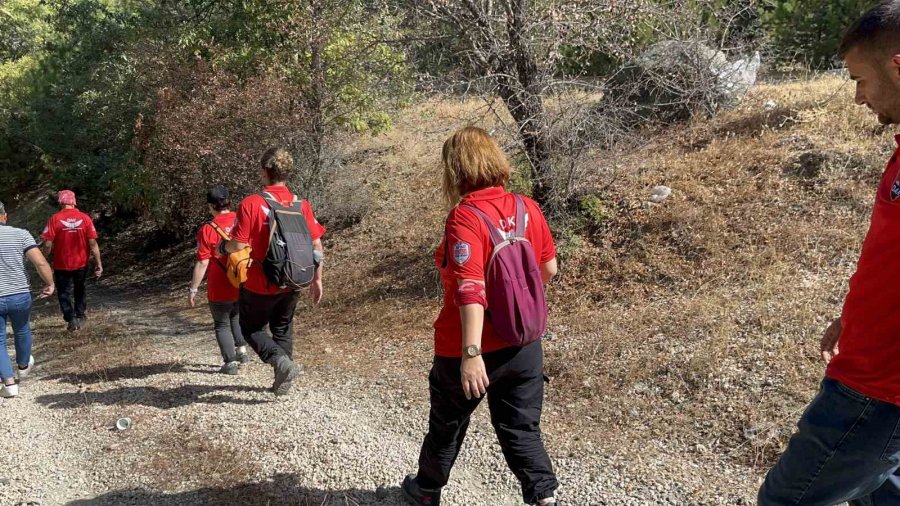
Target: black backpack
x,y
289,262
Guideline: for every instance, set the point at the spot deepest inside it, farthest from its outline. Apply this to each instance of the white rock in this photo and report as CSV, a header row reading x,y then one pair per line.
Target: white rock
x,y
659,194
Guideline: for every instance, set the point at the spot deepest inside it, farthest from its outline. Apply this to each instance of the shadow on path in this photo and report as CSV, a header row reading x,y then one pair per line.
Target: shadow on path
x,y
282,489
154,397
118,373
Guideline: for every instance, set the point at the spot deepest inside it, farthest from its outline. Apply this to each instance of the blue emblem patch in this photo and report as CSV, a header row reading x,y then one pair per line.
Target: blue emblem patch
x,y
462,252
895,190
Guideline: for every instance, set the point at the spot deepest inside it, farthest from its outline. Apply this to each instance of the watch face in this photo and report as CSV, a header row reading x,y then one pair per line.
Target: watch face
x,y
472,351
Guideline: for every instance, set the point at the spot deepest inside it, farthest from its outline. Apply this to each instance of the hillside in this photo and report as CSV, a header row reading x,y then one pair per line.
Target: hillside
x,y
684,335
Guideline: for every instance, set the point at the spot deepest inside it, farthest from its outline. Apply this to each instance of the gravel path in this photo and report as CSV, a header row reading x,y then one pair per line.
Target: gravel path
x,y
204,438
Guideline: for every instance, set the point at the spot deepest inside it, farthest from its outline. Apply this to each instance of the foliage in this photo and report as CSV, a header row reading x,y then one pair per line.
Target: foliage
x,y
809,31
81,83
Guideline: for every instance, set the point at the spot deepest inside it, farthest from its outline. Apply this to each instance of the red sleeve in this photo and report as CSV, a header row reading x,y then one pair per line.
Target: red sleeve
x,y
548,247
316,230
90,230
204,245
465,245
247,214
49,232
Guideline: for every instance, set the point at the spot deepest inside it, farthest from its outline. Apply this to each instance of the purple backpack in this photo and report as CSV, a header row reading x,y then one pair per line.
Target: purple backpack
x,y
515,289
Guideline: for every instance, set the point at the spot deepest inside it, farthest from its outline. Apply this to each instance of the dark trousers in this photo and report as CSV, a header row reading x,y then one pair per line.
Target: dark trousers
x,y
228,328
70,291
846,449
515,398
276,311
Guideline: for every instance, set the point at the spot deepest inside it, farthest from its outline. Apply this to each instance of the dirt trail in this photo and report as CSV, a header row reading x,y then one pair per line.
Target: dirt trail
x,y
204,438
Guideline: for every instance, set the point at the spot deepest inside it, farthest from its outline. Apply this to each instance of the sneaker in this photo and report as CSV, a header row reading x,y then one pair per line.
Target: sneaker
x,y
242,355
23,373
285,373
231,368
78,323
9,391
551,503
73,325
414,494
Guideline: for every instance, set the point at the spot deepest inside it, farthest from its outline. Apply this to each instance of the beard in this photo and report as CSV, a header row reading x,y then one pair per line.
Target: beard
x,y
884,119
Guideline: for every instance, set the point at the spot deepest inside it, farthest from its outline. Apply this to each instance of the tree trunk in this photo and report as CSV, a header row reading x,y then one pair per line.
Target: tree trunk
x,y
315,97
524,100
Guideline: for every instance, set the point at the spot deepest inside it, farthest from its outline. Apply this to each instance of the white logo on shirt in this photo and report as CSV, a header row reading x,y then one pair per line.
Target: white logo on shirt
x,y
71,224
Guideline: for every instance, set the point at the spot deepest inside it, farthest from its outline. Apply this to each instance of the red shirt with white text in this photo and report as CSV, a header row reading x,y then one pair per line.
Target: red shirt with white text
x,y
252,227
464,253
218,288
69,230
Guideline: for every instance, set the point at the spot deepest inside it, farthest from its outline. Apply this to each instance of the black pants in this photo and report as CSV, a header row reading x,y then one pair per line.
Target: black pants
x,y
276,311
515,398
70,291
228,328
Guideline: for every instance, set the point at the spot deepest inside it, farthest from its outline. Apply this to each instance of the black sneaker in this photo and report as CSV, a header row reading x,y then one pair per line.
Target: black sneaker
x,y
414,494
554,503
231,368
73,325
242,356
78,323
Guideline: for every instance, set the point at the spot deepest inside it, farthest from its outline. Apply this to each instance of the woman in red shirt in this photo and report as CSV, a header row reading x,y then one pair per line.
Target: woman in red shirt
x,y
222,295
470,360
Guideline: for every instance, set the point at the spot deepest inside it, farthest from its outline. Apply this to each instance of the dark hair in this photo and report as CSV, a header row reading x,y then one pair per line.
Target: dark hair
x,y
218,197
278,164
878,28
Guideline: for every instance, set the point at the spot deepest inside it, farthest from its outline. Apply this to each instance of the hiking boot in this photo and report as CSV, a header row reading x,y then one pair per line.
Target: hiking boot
x,y
231,368
23,373
9,391
286,371
414,494
242,355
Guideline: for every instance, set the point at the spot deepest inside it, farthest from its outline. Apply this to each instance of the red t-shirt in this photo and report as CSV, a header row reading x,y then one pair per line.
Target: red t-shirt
x,y
868,360
218,288
468,242
69,230
252,227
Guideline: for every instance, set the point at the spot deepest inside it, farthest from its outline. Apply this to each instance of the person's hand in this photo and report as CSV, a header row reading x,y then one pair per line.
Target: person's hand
x,y
98,271
474,377
47,291
316,291
829,345
192,297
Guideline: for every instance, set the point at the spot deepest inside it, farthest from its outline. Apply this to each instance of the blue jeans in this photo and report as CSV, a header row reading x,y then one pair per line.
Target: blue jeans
x,y
17,309
847,449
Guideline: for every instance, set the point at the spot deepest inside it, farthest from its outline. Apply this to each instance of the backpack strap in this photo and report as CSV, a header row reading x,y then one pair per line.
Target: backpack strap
x,y
496,238
224,236
219,230
520,216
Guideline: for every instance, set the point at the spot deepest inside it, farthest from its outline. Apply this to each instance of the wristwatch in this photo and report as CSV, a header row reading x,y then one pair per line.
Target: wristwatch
x,y
471,351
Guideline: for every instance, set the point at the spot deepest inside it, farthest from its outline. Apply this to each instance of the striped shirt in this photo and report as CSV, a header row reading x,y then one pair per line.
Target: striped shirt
x,y
14,243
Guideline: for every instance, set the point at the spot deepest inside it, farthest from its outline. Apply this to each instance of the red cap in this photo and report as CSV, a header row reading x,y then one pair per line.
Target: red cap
x,y
66,198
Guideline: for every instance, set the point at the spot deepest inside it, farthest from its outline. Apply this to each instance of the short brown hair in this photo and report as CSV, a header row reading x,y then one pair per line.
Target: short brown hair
x,y
278,164
878,29
472,161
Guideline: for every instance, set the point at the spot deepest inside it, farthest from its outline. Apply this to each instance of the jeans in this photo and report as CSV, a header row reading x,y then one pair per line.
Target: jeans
x,y
17,309
515,398
228,328
847,449
276,311
70,291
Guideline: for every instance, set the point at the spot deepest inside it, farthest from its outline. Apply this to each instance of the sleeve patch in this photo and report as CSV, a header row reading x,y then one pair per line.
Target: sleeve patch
x,y
462,252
